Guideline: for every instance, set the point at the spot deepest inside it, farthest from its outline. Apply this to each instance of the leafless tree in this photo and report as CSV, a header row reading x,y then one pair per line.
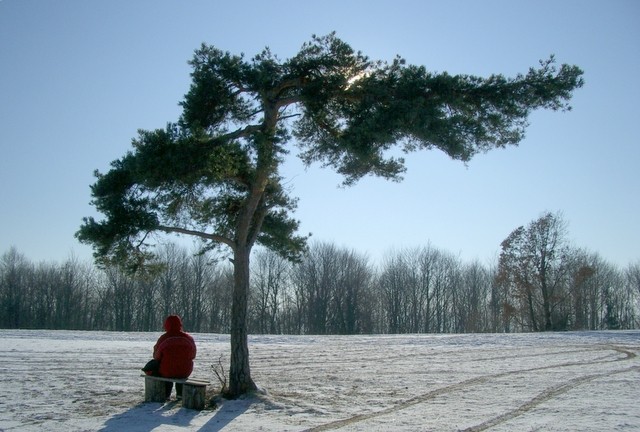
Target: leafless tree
x,y
472,309
269,283
535,264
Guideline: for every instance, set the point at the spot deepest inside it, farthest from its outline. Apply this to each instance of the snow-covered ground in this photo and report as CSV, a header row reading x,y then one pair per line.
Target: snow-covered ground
x,y
90,381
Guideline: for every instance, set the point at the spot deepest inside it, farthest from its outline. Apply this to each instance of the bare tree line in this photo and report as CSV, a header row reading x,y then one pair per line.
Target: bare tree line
x,y
332,291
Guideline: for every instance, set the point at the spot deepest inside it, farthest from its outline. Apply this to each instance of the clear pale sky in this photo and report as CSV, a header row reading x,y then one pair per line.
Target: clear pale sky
x,y
79,78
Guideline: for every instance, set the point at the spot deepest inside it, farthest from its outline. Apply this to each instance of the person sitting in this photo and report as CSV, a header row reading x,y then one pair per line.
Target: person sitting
x,y
173,353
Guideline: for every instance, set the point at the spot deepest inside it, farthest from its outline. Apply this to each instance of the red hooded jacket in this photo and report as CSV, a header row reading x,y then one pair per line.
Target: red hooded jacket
x,y
175,350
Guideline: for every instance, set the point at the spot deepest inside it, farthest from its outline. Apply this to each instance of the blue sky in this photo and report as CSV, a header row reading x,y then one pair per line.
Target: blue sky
x,y
79,78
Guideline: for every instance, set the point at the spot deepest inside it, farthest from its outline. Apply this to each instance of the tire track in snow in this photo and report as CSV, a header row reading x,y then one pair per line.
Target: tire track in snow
x,y
541,398
402,405
544,397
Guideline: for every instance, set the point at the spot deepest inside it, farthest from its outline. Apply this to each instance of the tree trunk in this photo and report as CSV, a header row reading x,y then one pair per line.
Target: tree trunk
x,y
240,381
532,312
546,304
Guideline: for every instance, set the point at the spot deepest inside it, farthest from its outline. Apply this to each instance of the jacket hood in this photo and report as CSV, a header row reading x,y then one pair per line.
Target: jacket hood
x,y
173,324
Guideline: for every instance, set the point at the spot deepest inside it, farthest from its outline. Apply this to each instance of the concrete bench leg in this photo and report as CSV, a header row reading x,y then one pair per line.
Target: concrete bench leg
x,y
154,390
193,396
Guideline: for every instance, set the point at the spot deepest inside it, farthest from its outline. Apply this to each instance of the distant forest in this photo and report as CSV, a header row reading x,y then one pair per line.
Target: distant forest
x,y
332,291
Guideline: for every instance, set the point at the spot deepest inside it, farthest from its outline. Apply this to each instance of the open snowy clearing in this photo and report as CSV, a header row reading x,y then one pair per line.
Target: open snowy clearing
x,y
90,381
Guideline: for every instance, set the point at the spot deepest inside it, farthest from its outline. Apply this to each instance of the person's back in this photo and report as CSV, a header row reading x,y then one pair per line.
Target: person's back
x,y
175,350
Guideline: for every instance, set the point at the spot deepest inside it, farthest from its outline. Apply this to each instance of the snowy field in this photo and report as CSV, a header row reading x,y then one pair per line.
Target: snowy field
x,y
90,381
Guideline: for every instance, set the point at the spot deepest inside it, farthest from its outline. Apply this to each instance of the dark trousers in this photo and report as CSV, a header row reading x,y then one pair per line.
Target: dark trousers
x,y
169,386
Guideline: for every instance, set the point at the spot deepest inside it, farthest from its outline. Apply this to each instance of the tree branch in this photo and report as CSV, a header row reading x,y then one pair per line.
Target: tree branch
x,y
239,133
284,117
212,237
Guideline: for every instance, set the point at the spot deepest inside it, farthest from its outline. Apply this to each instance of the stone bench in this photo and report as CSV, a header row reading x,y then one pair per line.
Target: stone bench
x,y
193,390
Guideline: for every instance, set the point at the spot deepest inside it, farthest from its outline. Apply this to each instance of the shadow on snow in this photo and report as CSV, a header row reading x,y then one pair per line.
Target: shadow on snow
x,y
147,416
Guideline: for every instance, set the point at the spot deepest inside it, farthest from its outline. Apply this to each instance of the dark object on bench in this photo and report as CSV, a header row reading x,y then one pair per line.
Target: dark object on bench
x,y
152,367
193,390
